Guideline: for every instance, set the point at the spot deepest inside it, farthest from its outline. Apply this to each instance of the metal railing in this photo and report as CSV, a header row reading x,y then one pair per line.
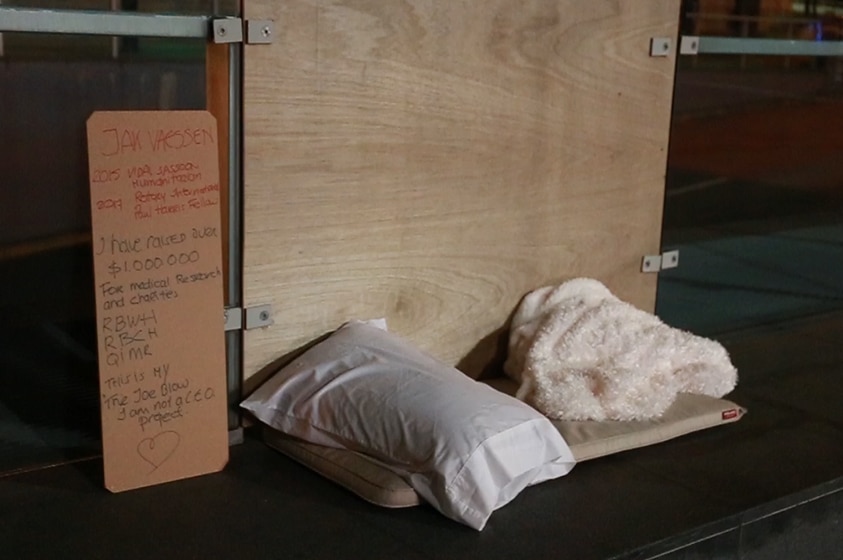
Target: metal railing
x,y
776,35
130,24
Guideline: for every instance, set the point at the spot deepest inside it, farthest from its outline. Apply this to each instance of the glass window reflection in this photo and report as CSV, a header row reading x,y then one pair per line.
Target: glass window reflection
x,y
754,194
49,86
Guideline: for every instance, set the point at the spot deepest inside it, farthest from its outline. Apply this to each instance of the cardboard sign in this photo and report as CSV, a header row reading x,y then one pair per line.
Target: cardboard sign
x,y
155,206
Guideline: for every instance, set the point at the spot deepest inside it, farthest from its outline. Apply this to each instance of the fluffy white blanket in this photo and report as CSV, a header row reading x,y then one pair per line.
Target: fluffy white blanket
x,y
580,353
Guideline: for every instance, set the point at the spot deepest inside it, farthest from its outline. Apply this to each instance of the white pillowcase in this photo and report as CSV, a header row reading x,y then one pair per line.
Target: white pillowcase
x,y
465,448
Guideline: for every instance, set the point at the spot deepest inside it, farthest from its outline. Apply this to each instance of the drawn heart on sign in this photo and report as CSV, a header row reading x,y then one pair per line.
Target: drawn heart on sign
x,y
156,450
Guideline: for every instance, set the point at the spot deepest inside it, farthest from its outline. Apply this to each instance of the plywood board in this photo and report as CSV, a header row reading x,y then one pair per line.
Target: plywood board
x,y
155,206
431,161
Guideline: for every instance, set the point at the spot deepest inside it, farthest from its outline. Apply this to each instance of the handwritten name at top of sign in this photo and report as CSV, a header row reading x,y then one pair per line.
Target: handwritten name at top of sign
x,y
126,140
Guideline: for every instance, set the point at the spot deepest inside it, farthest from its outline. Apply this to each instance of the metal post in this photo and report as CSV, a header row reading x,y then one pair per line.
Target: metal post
x,y
115,40
1,37
234,297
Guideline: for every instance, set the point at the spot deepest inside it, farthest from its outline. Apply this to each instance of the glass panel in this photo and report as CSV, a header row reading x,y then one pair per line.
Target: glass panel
x,y
754,198
814,20
49,406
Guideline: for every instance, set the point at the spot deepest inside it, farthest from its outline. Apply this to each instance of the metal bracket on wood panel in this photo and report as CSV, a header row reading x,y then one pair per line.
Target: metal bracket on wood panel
x,y
253,318
651,263
227,30
655,263
260,31
689,45
259,317
233,318
232,29
660,46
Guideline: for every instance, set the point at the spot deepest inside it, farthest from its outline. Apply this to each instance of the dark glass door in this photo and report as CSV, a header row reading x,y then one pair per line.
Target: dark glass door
x,y
754,197
49,86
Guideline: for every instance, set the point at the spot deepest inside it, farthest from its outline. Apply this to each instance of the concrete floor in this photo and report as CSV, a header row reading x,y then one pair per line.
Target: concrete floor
x,y
769,486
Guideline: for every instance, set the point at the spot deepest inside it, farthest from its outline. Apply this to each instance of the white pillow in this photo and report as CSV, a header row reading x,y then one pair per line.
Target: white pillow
x,y
466,448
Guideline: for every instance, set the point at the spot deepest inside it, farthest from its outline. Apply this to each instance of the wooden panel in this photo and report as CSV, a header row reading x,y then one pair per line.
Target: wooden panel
x,y
430,161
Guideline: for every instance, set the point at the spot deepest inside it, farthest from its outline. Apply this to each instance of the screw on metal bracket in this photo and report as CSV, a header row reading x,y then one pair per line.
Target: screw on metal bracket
x,y
259,317
228,30
689,45
660,46
651,263
259,32
670,259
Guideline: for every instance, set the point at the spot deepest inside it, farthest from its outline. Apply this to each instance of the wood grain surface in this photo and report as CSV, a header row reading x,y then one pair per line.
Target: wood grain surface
x,y
431,161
